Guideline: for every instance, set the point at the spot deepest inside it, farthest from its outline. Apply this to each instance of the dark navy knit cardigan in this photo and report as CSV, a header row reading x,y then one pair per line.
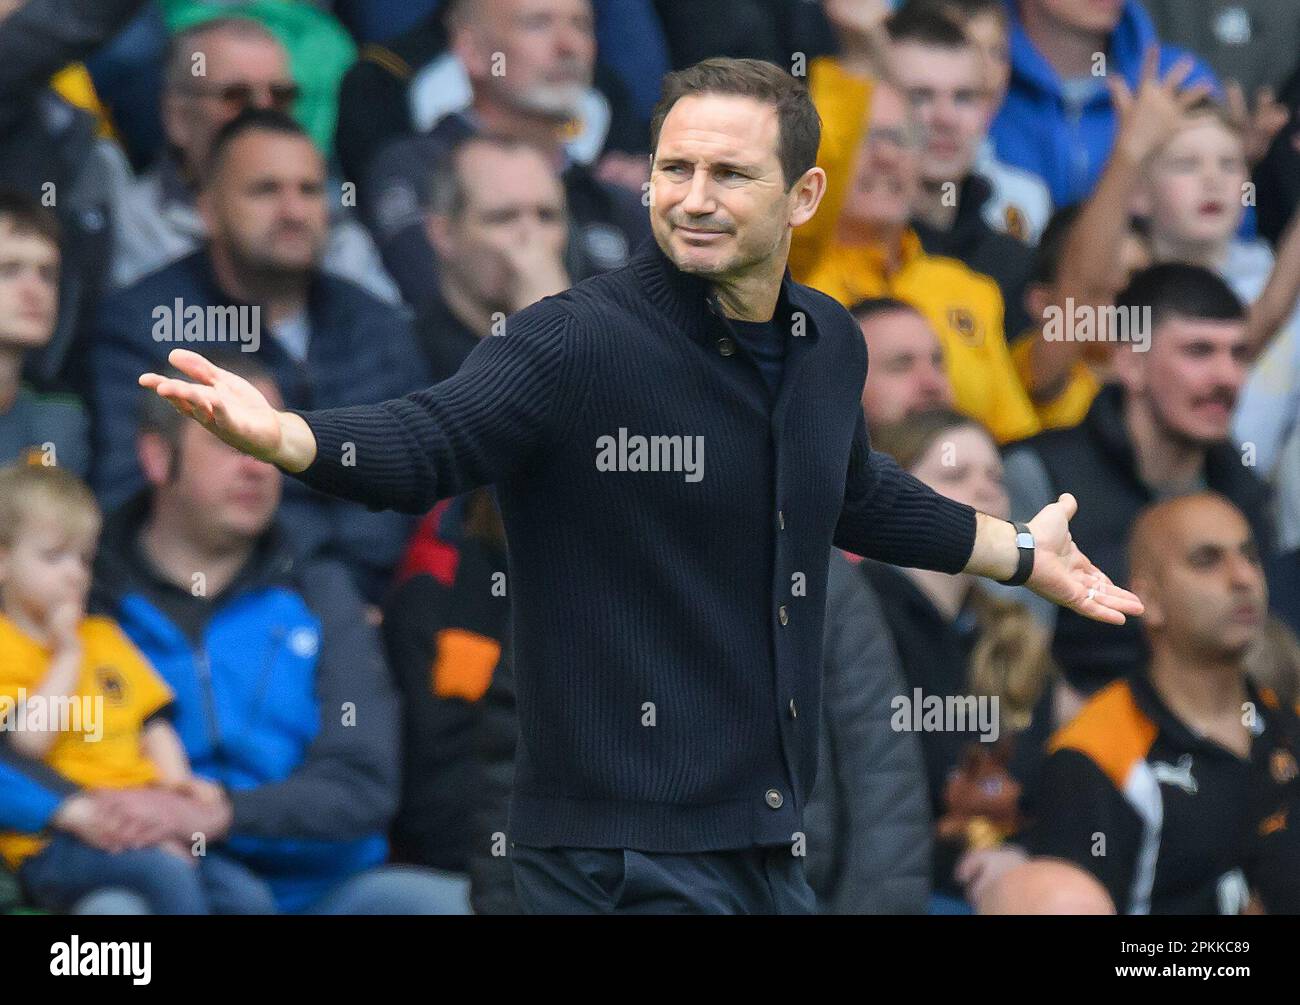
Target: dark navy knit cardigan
x,y
667,627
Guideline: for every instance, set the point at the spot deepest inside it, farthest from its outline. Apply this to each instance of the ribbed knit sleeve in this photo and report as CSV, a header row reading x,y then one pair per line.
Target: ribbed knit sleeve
x,y
892,517
515,393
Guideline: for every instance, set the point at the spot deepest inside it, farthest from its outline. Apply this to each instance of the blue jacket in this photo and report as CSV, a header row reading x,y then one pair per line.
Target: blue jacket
x,y
1067,143
359,349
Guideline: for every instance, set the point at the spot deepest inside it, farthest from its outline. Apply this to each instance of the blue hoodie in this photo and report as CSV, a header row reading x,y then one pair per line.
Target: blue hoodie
x,y
1066,142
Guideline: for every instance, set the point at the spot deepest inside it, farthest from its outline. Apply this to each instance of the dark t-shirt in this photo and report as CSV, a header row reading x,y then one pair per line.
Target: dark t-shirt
x,y
765,343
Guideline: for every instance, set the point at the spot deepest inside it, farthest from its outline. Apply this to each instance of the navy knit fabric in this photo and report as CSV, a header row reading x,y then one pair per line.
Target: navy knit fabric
x,y
667,624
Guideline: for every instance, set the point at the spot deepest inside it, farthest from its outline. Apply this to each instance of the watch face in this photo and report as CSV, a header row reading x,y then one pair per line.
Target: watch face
x,y
1024,540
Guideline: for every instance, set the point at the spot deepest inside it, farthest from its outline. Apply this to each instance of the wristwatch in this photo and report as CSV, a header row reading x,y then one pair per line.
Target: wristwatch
x,y
1025,565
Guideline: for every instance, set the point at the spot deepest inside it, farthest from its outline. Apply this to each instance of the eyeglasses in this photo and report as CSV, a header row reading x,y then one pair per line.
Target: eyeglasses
x,y
238,96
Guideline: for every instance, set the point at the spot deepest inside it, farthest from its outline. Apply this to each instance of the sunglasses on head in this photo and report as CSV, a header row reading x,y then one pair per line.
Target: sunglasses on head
x,y
241,95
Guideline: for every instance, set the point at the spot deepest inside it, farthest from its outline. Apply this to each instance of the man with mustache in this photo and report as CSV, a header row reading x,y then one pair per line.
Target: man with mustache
x,y
1161,430
667,634
325,340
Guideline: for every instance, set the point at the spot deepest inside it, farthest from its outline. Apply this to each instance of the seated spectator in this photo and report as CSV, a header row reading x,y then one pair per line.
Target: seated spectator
x,y
957,641
906,374
327,342
158,220
1163,430
1058,120
76,695
1020,205
1063,375
1045,886
551,53
865,248
197,571
44,428
496,218
1160,786
50,152
939,68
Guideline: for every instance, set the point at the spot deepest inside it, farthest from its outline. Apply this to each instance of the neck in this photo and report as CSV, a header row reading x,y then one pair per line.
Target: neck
x,y
947,593
11,370
178,556
280,295
933,209
543,131
1069,50
1199,692
753,296
473,314
1207,254
1164,462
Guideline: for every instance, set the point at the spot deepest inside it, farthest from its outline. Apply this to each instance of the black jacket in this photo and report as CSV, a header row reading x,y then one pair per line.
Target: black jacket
x,y
667,611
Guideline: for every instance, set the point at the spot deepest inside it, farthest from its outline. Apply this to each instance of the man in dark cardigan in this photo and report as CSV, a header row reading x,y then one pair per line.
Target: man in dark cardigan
x,y
667,612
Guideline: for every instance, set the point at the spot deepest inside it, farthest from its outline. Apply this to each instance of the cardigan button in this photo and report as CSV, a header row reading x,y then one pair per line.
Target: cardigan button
x,y
726,347
783,615
780,519
794,710
774,799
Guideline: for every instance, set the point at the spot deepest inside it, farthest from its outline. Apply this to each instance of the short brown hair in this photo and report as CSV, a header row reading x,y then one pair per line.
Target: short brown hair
x,y
27,216
52,492
799,127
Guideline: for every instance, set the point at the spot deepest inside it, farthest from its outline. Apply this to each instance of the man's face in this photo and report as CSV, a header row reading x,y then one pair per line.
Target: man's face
x,y
718,200
239,72
964,464
1191,376
48,566
266,205
1194,184
512,199
228,497
887,177
946,88
906,374
537,56
29,288
1207,591
988,33
1081,15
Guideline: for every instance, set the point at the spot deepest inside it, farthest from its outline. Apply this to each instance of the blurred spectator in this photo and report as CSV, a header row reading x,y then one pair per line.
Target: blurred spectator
x,y
242,66
42,428
868,819
906,374
956,641
860,245
197,572
1063,376
1278,175
549,47
127,72
773,30
1251,41
1045,886
1160,783
49,151
1161,431
328,342
939,68
1058,120
1020,204
51,651
1274,661
497,220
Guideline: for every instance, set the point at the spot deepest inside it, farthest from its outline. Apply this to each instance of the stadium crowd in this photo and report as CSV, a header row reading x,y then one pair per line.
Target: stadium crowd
x,y
1067,230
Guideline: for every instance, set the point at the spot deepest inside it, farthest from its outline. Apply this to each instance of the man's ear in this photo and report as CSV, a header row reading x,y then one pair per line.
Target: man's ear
x,y
155,456
1154,615
1139,203
436,227
808,193
203,203
1038,298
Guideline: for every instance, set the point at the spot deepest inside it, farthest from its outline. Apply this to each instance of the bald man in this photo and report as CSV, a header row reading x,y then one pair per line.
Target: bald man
x,y
1165,783
1046,886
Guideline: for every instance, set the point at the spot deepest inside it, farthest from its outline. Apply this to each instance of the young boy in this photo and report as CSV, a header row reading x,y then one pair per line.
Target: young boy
x,y
78,696
52,426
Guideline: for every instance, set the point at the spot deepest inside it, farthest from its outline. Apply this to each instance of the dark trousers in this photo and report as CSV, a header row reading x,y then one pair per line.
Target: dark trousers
x,y
623,881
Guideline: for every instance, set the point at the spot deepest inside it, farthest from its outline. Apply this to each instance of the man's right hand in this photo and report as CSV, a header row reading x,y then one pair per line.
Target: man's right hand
x,y
235,411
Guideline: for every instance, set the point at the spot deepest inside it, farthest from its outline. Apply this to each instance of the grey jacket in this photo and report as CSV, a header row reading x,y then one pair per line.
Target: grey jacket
x,y
868,821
